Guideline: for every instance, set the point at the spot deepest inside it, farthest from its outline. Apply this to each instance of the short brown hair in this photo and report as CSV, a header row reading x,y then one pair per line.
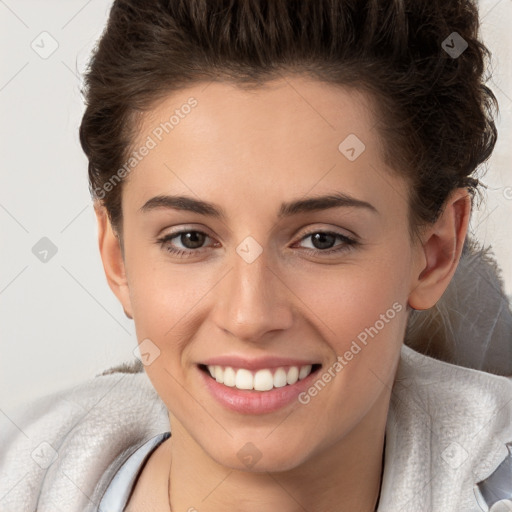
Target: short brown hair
x,y
434,111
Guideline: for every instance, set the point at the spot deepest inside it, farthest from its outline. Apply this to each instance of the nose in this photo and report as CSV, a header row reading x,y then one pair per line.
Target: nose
x,y
252,300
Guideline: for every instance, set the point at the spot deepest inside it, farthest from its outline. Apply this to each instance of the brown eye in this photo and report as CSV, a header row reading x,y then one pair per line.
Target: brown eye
x,y
183,243
192,239
324,242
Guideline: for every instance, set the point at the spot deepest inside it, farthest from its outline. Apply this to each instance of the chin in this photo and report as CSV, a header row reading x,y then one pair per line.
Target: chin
x,y
259,456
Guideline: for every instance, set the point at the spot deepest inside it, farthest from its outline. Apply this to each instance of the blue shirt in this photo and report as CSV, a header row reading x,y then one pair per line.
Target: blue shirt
x,y
120,488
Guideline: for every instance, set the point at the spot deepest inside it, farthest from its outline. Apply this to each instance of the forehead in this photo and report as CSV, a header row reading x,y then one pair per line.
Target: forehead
x,y
289,137
296,109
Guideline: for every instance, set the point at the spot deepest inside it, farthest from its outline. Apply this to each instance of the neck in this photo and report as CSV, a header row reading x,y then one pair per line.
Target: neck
x,y
343,476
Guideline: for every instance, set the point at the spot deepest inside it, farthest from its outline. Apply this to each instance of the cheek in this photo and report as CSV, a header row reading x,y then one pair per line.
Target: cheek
x,y
355,296
361,311
163,299
163,295
168,303
363,323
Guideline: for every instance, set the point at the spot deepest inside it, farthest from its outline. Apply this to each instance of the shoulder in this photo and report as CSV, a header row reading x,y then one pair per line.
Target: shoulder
x,y
64,446
448,429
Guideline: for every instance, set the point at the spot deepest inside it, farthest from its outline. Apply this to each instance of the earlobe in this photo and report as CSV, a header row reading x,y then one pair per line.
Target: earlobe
x,y
112,259
441,249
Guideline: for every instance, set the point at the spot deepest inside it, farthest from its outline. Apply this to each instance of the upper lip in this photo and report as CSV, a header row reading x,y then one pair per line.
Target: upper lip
x,y
255,363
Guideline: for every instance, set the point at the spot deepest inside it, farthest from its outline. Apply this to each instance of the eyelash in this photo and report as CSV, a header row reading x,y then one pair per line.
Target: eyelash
x,y
349,243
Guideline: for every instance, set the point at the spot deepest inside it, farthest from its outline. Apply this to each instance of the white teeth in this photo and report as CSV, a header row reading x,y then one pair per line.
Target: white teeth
x,y
229,377
244,379
262,380
293,375
219,374
304,371
279,378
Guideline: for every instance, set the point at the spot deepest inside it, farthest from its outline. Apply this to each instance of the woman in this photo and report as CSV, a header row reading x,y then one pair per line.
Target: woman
x,y
281,190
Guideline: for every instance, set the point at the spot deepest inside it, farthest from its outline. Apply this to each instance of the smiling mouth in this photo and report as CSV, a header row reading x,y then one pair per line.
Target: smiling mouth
x,y
264,379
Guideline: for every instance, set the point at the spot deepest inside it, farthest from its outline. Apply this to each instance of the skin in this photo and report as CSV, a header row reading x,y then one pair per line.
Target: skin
x,y
247,152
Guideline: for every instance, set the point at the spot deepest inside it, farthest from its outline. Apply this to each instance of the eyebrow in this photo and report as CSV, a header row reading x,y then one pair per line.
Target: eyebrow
x,y
311,204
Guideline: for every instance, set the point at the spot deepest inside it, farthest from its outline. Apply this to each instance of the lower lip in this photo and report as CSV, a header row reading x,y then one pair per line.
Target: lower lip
x,y
256,402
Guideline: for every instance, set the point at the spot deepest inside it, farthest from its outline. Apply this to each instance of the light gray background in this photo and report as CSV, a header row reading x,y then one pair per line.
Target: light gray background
x,y
60,323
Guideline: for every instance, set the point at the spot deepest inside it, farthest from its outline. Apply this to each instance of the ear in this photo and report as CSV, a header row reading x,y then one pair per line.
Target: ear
x,y
439,251
112,258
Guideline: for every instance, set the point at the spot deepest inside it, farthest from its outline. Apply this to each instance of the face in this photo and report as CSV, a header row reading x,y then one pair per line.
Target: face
x,y
262,279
